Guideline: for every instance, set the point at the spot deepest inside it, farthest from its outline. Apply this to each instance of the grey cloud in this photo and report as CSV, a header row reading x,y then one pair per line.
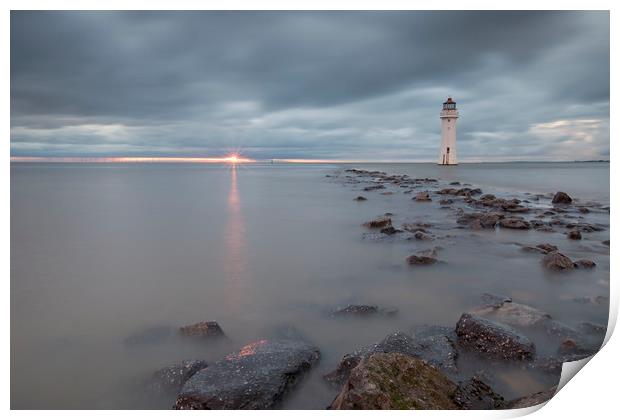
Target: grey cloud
x,y
307,84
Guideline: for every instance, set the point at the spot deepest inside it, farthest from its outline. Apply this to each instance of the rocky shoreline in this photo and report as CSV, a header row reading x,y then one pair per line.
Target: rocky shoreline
x,y
419,368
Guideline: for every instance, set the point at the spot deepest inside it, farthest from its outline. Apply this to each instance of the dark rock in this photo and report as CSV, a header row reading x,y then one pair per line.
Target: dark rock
x,y
170,379
374,187
547,247
149,336
423,236
446,201
360,198
396,381
422,196
390,230
432,344
480,220
583,263
362,311
475,394
574,234
605,242
557,262
561,198
514,223
204,329
258,376
493,339
532,400
585,227
455,183
379,223
421,260
584,210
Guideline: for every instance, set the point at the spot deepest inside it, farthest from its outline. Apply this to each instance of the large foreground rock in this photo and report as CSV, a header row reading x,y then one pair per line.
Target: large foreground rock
x,y
493,339
258,376
432,344
396,381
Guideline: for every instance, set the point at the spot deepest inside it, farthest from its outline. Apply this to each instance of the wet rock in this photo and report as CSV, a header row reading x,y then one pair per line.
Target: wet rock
x,y
533,399
514,223
455,183
446,201
433,344
583,263
170,379
475,394
585,227
149,336
447,191
360,198
422,196
574,234
514,314
561,198
374,187
390,230
493,339
423,236
584,210
204,329
421,260
606,242
480,220
547,247
379,223
396,381
418,226
258,376
557,262
362,311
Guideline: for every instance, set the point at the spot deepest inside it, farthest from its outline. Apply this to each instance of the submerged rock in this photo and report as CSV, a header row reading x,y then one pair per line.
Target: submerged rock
x,y
422,236
557,262
396,381
170,379
258,376
574,234
514,223
515,314
374,187
423,196
362,310
360,198
204,329
584,263
561,198
493,339
390,230
421,260
379,223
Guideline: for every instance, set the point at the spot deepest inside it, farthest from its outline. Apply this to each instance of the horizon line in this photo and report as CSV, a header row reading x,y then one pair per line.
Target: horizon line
x,y
239,159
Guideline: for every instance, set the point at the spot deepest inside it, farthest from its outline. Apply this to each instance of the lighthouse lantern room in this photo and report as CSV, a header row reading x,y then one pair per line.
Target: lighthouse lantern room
x,y
448,116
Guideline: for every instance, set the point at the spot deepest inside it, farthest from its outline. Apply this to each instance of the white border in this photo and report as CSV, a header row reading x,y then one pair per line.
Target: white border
x,y
592,395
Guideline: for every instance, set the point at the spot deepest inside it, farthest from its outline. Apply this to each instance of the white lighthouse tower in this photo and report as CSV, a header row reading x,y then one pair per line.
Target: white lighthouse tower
x,y
448,115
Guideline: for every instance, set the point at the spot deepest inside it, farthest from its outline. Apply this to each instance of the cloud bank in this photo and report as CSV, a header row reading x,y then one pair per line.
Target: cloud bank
x,y
310,85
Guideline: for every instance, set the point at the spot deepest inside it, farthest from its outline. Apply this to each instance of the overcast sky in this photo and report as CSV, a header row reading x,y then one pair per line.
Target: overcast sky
x,y
332,85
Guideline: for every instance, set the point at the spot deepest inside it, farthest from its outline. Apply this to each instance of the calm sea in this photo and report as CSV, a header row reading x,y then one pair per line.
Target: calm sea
x,y
100,252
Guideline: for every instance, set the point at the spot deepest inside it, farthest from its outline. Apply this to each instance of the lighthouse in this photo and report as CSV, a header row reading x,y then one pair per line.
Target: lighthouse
x,y
448,116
